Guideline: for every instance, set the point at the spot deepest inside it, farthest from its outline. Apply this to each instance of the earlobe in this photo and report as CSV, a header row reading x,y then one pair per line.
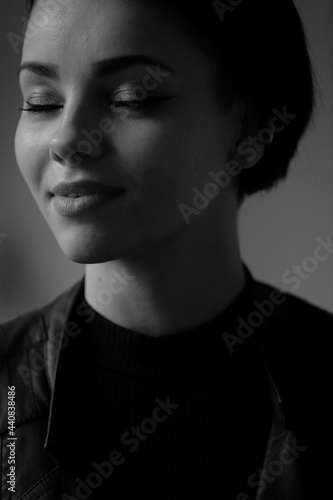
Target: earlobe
x,y
248,152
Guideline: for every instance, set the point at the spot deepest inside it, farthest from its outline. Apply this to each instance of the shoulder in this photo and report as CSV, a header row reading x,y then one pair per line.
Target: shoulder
x,y
298,346
33,327
293,310
25,345
302,328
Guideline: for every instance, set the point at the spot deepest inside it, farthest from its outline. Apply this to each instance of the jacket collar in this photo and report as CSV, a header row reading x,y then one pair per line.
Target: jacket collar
x,y
60,344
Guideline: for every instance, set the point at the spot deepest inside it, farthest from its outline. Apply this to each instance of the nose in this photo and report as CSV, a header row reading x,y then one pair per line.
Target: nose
x,y
74,141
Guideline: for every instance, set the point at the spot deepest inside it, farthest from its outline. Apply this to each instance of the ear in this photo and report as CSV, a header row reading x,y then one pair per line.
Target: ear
x,y
252,142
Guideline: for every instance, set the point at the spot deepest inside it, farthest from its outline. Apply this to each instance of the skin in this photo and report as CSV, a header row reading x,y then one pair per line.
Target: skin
x,y
180,275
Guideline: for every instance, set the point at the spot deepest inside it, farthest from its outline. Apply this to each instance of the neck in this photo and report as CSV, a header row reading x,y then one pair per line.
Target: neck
x,y
175,286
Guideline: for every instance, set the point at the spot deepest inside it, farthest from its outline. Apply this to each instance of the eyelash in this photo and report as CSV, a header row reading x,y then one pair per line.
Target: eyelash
x,y
40,108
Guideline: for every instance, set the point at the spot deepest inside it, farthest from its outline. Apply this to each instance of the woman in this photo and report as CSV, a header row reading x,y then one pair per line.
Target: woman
x,y
167,371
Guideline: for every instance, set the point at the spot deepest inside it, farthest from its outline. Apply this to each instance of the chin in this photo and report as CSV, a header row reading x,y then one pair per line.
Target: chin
x,y
85,245
93,256
96,251
82,252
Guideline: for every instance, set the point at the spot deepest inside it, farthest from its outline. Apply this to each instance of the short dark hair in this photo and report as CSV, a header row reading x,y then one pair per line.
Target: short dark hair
x,y
262,58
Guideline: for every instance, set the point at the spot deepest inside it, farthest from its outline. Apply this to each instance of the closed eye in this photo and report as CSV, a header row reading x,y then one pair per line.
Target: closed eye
x,y
133,104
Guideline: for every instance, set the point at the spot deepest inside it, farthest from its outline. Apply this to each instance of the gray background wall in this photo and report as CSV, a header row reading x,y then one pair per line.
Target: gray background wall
x,y
276,230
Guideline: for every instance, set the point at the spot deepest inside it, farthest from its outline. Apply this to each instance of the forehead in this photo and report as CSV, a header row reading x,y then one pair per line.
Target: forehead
x,y
76,33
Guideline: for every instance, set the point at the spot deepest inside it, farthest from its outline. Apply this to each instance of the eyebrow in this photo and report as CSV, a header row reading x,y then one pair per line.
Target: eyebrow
x,y
102,68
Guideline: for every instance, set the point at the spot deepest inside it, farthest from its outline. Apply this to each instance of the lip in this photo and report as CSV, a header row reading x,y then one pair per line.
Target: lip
x,y
68,207
83,187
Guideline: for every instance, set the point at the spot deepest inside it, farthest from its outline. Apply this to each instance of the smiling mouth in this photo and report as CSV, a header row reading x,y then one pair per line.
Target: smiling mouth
x,y
73,204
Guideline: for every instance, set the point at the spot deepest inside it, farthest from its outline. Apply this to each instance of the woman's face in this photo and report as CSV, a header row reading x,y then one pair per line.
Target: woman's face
x,y
156,153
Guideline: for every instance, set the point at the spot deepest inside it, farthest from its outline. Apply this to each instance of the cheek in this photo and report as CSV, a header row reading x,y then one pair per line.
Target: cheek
x,y
30,151
167,160
166,149
159,160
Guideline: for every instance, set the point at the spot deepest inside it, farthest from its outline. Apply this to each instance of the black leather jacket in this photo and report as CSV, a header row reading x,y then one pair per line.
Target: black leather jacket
x,y
296,350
